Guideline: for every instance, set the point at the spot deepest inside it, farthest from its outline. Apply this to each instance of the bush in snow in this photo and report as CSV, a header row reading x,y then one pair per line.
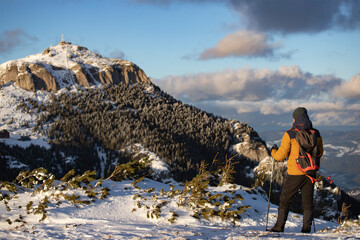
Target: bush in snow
x,y
205,202
134,169
53,192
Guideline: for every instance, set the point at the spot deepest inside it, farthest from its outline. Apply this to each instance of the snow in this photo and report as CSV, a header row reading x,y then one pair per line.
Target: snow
x,y
341,150
17,122
64,56
20,123
13,163
357,149
118,217
158,166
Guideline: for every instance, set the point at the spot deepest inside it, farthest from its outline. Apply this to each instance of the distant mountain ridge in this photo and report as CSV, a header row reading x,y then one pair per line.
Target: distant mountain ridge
x,y
65,65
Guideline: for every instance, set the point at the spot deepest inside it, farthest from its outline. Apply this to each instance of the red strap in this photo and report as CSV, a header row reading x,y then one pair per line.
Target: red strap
x,y
329,178
312,179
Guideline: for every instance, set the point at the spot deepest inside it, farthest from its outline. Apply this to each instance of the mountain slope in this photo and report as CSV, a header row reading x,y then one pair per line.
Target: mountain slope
x,y
112,118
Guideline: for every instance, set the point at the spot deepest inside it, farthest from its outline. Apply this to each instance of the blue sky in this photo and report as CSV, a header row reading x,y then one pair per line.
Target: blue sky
x,y
253,61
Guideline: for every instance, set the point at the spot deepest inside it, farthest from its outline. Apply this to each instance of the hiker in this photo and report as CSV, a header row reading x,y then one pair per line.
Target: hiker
x,y
295,178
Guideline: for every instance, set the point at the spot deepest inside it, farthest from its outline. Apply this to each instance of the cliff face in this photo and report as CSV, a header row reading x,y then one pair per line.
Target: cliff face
x,y
66,64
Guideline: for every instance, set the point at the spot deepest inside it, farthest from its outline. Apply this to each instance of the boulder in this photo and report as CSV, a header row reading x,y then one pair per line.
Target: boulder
x,y
109,76
41,78
30,76
10,73
24,79
80,77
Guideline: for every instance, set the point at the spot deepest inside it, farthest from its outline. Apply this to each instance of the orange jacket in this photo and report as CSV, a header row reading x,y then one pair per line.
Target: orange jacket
x,y
290,149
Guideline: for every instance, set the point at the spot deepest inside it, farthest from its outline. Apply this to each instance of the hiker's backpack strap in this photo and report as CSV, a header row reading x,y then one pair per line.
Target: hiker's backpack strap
x,y
312,179
292,133
317,133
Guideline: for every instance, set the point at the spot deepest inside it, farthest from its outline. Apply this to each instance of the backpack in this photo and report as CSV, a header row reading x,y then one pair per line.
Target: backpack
x,y
308,160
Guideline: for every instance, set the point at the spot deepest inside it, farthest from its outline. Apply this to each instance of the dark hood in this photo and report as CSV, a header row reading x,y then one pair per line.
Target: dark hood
x,y
303,123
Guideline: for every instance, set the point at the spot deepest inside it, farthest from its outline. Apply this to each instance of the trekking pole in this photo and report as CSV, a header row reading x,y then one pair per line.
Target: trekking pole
x,y
271,179
314,221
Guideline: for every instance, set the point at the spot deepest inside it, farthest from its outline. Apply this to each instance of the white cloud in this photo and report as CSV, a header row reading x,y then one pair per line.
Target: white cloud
x,y
261,97
272,113
247,84
350,90
337,118
290,71
241,44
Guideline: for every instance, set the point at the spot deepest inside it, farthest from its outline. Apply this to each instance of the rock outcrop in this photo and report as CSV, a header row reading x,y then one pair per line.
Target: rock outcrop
x,y
66,64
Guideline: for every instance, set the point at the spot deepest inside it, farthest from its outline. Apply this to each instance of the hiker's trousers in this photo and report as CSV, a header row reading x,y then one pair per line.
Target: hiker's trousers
x,y
291,186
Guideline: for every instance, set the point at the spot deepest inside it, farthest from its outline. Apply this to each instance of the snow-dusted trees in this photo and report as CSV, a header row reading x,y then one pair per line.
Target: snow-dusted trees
x,y
121,115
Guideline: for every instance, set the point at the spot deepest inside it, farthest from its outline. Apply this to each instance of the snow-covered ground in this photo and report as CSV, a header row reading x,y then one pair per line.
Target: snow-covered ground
x,y
65,55
20,122
119,217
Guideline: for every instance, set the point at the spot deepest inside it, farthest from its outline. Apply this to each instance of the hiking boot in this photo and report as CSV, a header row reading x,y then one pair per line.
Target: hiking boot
x,y
281,220
305,230
277,228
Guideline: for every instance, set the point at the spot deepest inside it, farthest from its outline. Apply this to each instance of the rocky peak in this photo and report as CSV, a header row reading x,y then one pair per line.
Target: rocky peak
x,y
66,64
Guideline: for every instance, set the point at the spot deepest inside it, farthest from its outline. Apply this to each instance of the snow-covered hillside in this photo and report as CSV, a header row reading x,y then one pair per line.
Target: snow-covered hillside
x,y
118,216
18,122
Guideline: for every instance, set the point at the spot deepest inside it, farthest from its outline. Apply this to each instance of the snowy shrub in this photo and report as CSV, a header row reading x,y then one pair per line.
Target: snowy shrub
x,y
131,170
205,202
347,228
44,191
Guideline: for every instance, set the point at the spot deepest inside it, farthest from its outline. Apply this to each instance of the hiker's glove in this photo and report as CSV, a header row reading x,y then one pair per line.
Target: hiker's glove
x,y
274,147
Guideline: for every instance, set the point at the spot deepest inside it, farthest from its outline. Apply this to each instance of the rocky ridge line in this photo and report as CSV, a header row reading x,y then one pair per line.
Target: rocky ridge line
x,y
67,64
